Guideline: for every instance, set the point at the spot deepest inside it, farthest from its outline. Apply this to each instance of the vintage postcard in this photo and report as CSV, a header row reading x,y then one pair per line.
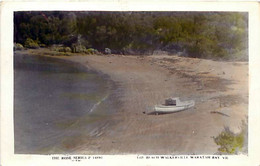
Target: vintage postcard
x,y
149,83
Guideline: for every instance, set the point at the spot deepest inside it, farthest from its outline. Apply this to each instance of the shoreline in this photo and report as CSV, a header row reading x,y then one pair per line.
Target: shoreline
x,y
147,81
94,128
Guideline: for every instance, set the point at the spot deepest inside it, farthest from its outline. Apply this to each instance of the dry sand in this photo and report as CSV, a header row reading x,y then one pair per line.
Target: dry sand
x,y
220,90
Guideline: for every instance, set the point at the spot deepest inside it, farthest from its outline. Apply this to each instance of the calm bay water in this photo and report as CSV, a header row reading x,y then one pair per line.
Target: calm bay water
x,y
55,100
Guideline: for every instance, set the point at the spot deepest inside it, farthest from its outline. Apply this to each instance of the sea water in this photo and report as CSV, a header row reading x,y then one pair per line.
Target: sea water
x,y
55,100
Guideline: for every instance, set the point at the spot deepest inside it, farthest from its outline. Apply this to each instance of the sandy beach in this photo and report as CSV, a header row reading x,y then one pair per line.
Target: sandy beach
x,y
220,90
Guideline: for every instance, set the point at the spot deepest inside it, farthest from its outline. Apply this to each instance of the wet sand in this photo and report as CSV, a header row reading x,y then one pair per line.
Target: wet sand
x,y
220,90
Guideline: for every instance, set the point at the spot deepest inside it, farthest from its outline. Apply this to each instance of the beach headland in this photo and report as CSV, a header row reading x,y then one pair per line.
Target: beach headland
x,y
219,89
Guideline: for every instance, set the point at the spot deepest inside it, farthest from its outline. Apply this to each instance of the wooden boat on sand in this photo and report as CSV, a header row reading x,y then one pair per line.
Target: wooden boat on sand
x,y
173,105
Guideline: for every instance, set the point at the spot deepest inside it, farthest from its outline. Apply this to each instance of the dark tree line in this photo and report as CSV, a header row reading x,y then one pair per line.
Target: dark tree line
x,y
195,34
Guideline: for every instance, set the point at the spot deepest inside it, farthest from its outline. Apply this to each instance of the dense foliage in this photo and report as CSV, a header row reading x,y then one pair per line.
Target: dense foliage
x,y
195,34
231,143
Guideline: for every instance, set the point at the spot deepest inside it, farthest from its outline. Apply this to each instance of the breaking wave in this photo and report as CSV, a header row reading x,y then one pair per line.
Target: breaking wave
x,y
98,103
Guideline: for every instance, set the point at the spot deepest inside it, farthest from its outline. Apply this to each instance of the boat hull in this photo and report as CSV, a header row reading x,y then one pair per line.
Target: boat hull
x,y
170,109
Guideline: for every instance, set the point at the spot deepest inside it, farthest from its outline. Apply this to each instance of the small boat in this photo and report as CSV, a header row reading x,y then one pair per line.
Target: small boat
x,y
173,105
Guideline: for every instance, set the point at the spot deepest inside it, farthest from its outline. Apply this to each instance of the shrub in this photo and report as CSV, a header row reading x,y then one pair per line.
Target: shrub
x,y
67,49
64,49
30,43
56,47
78,48
230,142
18,46
42,45
92,51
